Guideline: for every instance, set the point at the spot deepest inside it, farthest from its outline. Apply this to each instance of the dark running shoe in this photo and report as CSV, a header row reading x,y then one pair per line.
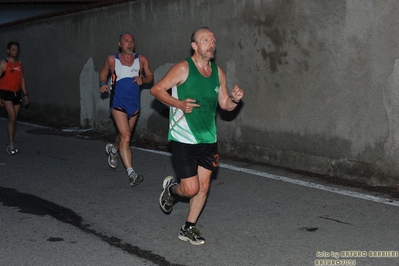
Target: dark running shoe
x,y
166,200
11,150
112,157
191,234
135,179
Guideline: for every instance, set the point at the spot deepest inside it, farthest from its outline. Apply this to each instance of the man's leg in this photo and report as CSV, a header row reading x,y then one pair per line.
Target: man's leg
x,y
12,112
122,143
116,142
197,202
196,188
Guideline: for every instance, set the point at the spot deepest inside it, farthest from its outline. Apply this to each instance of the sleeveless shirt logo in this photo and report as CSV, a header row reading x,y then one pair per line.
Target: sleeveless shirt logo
x,y
12,69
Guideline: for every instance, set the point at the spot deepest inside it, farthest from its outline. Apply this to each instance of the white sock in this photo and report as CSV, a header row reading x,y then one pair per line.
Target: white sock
x,y
113,150
129,171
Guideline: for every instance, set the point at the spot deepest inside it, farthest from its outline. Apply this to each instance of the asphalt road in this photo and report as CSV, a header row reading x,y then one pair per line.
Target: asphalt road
x,y
61,204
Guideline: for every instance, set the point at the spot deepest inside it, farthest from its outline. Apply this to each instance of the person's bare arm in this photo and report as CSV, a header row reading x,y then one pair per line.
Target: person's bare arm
x,y
108,68
175,76
23,87
148,76
226,101
3,65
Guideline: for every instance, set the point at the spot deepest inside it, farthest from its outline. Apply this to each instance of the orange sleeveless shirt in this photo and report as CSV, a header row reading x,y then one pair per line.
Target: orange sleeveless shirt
x,y
12,78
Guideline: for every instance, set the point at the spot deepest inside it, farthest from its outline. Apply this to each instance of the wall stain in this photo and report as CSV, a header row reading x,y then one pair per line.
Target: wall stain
x,y
270,30
276,30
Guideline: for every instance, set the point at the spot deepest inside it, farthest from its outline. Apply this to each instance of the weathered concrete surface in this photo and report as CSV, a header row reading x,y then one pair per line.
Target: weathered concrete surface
x,y
320,77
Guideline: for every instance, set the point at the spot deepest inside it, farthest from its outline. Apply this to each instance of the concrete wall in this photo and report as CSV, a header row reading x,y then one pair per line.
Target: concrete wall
x,y
321,77
13,12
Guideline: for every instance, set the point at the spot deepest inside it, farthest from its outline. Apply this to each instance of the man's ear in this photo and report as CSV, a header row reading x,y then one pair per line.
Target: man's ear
x,y
193,46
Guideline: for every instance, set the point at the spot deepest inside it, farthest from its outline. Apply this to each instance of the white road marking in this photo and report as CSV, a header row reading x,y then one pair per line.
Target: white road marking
x,y
25,123
297,182
281,178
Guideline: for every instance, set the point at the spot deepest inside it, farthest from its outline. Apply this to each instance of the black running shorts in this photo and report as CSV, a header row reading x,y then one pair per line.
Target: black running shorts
x,y
187,158
13,96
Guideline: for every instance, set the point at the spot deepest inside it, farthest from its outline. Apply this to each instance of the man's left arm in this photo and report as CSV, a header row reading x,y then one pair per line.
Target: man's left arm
x,y
148,76
23,87
3,65
226,100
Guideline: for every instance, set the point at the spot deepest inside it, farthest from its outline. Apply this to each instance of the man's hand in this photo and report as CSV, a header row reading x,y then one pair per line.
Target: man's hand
x,y
104,88
139,80
26,99
237,93
188,105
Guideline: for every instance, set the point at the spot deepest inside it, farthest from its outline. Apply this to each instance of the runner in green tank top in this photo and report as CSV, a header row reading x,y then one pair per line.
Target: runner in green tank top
x,y
198,126
198,86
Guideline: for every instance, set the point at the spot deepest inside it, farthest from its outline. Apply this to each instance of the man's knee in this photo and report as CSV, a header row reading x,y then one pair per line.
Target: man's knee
x,y
204,188
189,189
189,193
125,137
12,118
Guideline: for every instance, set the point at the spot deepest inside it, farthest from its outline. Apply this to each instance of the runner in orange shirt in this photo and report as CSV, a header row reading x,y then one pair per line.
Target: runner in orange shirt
x,y
12,91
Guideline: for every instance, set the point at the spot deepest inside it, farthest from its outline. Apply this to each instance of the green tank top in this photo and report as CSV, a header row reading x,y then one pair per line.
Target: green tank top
x,y
199,126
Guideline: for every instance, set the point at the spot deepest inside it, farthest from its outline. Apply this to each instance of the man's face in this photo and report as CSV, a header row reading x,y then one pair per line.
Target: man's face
x,y
126,43
205,44
13,51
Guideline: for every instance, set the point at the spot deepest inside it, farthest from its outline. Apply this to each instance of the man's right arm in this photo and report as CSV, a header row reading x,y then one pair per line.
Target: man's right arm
x,y
3,65
176,75
104,72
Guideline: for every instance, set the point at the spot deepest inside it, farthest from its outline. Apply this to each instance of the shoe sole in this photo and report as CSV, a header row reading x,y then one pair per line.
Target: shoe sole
x,y
107,151
162,207
165,182
196,243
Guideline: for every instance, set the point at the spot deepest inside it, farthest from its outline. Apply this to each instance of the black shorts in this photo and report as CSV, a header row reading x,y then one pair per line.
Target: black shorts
x,y
187,158
13,96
